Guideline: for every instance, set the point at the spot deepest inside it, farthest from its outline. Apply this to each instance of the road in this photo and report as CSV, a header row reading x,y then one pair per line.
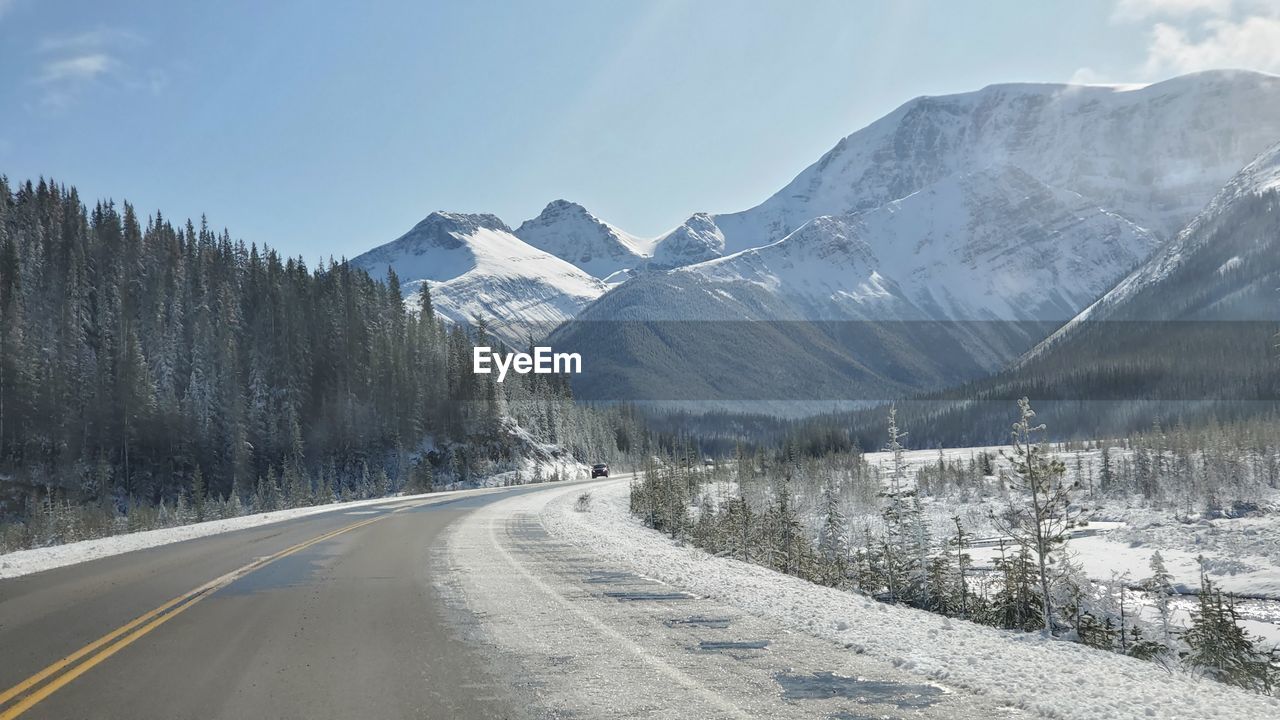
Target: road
x,y
342,621
451,607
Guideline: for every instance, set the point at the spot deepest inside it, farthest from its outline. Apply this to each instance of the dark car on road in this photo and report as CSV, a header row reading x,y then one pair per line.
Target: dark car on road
x,y
599,470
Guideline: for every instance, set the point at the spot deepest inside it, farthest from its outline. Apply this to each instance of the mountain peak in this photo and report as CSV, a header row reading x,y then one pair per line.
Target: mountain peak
x,y
570,232
561,206
441,220
695,240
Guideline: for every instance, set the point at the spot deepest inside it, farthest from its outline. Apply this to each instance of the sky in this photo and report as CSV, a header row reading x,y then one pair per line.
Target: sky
x,y
325,129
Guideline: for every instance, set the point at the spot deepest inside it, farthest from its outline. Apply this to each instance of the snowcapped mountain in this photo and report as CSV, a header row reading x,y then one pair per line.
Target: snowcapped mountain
x,y
995,244
1224,265
569,232
695,240
946,285
1154,154
1188,335
476,267
932,247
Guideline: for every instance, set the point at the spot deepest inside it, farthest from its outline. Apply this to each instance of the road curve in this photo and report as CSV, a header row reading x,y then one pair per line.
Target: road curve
x,y
460,606
332,615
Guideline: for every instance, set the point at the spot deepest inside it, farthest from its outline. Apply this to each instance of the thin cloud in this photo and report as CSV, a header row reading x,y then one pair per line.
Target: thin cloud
x,y
73,63
80,68
1131,10
89,40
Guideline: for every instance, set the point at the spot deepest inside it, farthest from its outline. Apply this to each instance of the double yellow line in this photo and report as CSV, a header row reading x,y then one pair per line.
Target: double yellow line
x,y
65,670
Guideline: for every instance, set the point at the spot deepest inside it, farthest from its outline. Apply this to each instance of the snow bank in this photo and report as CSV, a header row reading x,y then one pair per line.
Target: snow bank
x,y
1051,678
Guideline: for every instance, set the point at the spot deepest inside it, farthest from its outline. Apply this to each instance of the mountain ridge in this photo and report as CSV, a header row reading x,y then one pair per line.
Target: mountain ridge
x,y
1080,138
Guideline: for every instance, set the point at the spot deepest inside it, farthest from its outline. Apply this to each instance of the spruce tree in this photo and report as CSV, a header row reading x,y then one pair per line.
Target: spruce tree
x,y
1042,518
1220,648
199,494
961,544
833,545
1159,587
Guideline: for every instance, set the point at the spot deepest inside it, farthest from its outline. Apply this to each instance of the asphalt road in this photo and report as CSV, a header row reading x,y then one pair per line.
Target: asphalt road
x,y
327,616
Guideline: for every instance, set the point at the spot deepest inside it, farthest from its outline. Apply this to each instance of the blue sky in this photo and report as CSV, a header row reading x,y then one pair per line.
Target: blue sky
x,y
329,128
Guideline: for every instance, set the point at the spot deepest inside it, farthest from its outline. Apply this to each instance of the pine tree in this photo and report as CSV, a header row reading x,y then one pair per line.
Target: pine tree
x,y
790,551
296,490
1107,476
199,495
833,546
961,544
421,478
1159,587
1042,520
1221,649
741,529
1017,604
273,496
919,545
896,560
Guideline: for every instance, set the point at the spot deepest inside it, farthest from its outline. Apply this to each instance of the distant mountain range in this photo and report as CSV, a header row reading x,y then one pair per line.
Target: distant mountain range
x,y
936,245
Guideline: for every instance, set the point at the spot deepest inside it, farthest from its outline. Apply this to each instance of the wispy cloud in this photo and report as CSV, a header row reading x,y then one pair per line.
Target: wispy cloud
x,y
79,68
88,40
71,64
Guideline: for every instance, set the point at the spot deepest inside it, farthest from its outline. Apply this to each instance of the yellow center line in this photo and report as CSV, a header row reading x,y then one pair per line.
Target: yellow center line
x,y
148,622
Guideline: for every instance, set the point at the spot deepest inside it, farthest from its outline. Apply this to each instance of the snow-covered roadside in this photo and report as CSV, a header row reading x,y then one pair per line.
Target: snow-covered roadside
x,y
25,562
1052,678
